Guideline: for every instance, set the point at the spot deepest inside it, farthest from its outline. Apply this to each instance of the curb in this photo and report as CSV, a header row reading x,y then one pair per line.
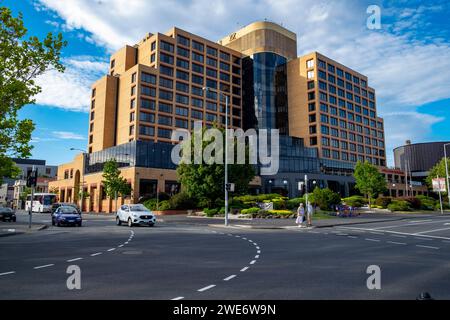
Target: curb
x,y
22,231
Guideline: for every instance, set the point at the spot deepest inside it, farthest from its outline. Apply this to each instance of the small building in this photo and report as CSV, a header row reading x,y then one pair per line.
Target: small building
x,y
398,186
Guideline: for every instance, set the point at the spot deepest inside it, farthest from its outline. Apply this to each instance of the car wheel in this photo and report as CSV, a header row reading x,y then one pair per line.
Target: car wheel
x,y
53,222
118,222
130,223
58,224
79,224
151,225
14,220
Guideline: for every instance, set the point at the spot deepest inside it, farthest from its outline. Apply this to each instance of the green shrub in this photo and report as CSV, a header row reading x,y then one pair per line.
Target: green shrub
x,y
182,201
414,203
282,213
150,204
294,203
355,201
427,203
383,202
250,210
325,198
399,205
211,212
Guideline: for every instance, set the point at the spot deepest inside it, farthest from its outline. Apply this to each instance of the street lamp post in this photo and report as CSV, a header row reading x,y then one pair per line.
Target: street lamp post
x,y
82,180
446,171
226,150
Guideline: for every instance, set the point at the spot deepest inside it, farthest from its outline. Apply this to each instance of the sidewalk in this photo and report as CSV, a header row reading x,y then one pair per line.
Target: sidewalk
x,y
11,229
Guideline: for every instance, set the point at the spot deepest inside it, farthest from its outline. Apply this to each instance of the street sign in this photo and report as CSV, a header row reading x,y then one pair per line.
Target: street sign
x,y
32,178
439,185
300,185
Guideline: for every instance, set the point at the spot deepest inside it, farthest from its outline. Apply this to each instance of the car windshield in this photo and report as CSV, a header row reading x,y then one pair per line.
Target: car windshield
x,y
138,207
68,210
5,210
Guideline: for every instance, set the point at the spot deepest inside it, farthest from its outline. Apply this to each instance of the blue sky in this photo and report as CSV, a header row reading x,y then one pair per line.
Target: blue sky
x,y
407,60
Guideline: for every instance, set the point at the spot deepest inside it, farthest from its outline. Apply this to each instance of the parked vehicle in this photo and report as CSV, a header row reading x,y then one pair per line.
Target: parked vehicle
x,y
7,214
135,214
67,215
64,204
42,202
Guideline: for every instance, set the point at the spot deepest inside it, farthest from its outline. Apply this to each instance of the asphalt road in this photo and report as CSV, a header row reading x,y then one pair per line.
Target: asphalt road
x,y
186,259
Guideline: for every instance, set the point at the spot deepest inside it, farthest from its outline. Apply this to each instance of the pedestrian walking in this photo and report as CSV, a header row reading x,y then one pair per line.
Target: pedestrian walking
x,y
300,215
309,213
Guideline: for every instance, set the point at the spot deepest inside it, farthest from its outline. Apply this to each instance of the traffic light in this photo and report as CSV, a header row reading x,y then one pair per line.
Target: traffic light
x,y
32,178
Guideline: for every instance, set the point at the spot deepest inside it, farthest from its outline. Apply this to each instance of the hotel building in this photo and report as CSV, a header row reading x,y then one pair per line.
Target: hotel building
x,y
325,112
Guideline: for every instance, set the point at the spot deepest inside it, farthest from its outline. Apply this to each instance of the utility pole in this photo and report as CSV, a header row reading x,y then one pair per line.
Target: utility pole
x,y
440,196
446,171
31,183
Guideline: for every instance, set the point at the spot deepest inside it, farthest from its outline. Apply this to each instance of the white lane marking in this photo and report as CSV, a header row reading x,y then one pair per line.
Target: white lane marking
x,y
393,242
257,247
250,241
352,237
112,249
434,230
342,234
76,259
126,242
423,239
408,225
177,298
244,269
398,236
375,240
244,238
252,262
6,273
377,233
313,232
401,233
237,236
428,247
120,246
259,251
255,244
44,266
96,254
416,221
206,288
229,278
257,256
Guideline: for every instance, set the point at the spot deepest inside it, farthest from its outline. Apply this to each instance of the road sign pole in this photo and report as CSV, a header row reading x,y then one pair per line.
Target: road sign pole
x,y
440,197
30,218
446,171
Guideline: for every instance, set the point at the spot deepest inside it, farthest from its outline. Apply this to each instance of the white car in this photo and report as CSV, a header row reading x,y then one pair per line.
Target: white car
x,y
135,214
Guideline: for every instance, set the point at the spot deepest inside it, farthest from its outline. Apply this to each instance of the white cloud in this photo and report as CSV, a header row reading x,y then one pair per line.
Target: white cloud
x,y
71,90
66,135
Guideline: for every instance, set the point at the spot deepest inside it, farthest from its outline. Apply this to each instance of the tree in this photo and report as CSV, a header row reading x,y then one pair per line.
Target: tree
x,y
438,170
21,61
369,181
325,198
205,182
114,184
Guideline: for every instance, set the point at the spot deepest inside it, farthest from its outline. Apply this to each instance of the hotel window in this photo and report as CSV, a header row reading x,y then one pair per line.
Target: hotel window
x,y
323,107
312,129
224,56
344,156
324,118
166,58
211,117
349,86
352,147
197,79
92,104
371,105
313,141
211,62
351,116
197,91
350,96
147,91
348,76
335,132
164,107
340,83
342,124
380,125
322,64
211,51
364,83
166,95
147,117
197,68
311,95
211,106
325,130
333,100
182,87
310,74
335,154
340,72
148,78
310,64
333,111
93,92
66,174
133,90
197,46
131,130
236,70
91,127
371,96
152,58
167,46
146,131
335,143
182,99
211,83
224,66
182,75
353,157
211,73
148,104
360,148
331,68
132,117
322,75
356,80
196,114
323,97
236,60
322,85
153,46
166,83
311,107
312,118
331,79
113,64
92,115
181,123
182,63
167,121
365,102
356,90
183,41
341,103
168,71
91,139
343,134
182,111
326,153
183,52
211,95
334,121
197,102
197,57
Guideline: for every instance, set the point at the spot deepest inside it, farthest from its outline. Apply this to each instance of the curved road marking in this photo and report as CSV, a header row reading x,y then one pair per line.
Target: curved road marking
x,y
206,288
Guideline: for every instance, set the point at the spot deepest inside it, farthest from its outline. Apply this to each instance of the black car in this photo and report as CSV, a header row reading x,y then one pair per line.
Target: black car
x,y
67,215
55,206
7,214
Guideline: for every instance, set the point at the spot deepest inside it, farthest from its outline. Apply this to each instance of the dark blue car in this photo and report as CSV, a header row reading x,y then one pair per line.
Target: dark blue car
x,y
66,216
